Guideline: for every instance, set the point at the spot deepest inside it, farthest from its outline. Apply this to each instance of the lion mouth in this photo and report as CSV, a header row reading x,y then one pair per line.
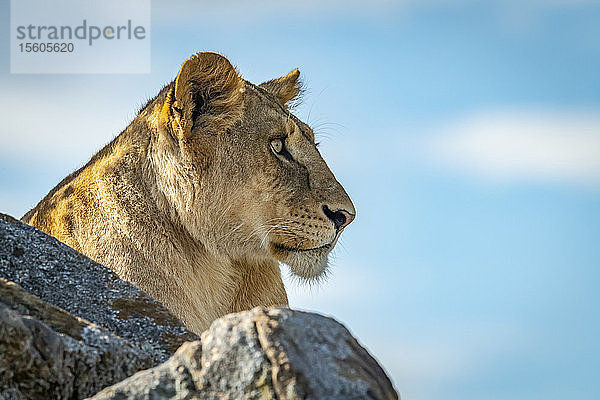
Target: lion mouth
x,y
305,263
282,247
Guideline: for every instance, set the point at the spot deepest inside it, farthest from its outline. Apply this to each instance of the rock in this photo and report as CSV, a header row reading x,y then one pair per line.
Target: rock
x,y
263,354
67,279
70,327
47,353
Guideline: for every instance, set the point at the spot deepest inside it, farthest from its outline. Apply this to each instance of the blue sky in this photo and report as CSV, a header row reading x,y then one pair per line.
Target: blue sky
x,y
467,134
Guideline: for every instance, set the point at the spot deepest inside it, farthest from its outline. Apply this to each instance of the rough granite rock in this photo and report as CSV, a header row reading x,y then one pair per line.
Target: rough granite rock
x,y
263,354
63,277
46,353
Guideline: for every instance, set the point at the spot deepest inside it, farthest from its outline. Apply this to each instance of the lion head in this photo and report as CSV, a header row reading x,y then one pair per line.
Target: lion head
x,y
242,173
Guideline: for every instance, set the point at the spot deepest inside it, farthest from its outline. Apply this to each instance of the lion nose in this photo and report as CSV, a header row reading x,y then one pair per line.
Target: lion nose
x,y
340,218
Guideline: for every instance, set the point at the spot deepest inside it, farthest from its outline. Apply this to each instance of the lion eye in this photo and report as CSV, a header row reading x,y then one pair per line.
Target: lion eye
x,y
277,145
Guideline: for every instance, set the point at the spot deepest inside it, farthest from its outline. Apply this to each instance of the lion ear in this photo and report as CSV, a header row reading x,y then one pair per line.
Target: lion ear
x,y
208,94
286,88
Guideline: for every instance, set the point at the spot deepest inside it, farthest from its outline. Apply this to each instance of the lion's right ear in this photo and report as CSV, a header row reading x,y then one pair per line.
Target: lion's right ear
x,y
285,89
208,95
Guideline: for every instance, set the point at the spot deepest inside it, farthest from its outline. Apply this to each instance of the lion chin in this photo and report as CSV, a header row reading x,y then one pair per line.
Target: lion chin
x,y
307,264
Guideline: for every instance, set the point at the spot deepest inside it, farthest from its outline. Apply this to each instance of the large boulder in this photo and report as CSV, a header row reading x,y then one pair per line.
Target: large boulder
x,y
70,327
46,353
65,278
263,354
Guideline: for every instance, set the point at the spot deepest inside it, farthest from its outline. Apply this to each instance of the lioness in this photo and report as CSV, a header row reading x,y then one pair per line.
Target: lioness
x,y
201,196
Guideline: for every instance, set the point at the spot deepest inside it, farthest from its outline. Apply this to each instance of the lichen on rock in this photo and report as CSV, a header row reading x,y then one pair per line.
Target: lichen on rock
x,y
68,279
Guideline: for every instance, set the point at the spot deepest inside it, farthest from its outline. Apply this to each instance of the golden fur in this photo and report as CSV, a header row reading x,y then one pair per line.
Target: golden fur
x,y
192,203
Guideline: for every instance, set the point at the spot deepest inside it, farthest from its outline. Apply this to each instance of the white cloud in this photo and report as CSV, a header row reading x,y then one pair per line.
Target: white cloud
x,y
522,145
51,129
